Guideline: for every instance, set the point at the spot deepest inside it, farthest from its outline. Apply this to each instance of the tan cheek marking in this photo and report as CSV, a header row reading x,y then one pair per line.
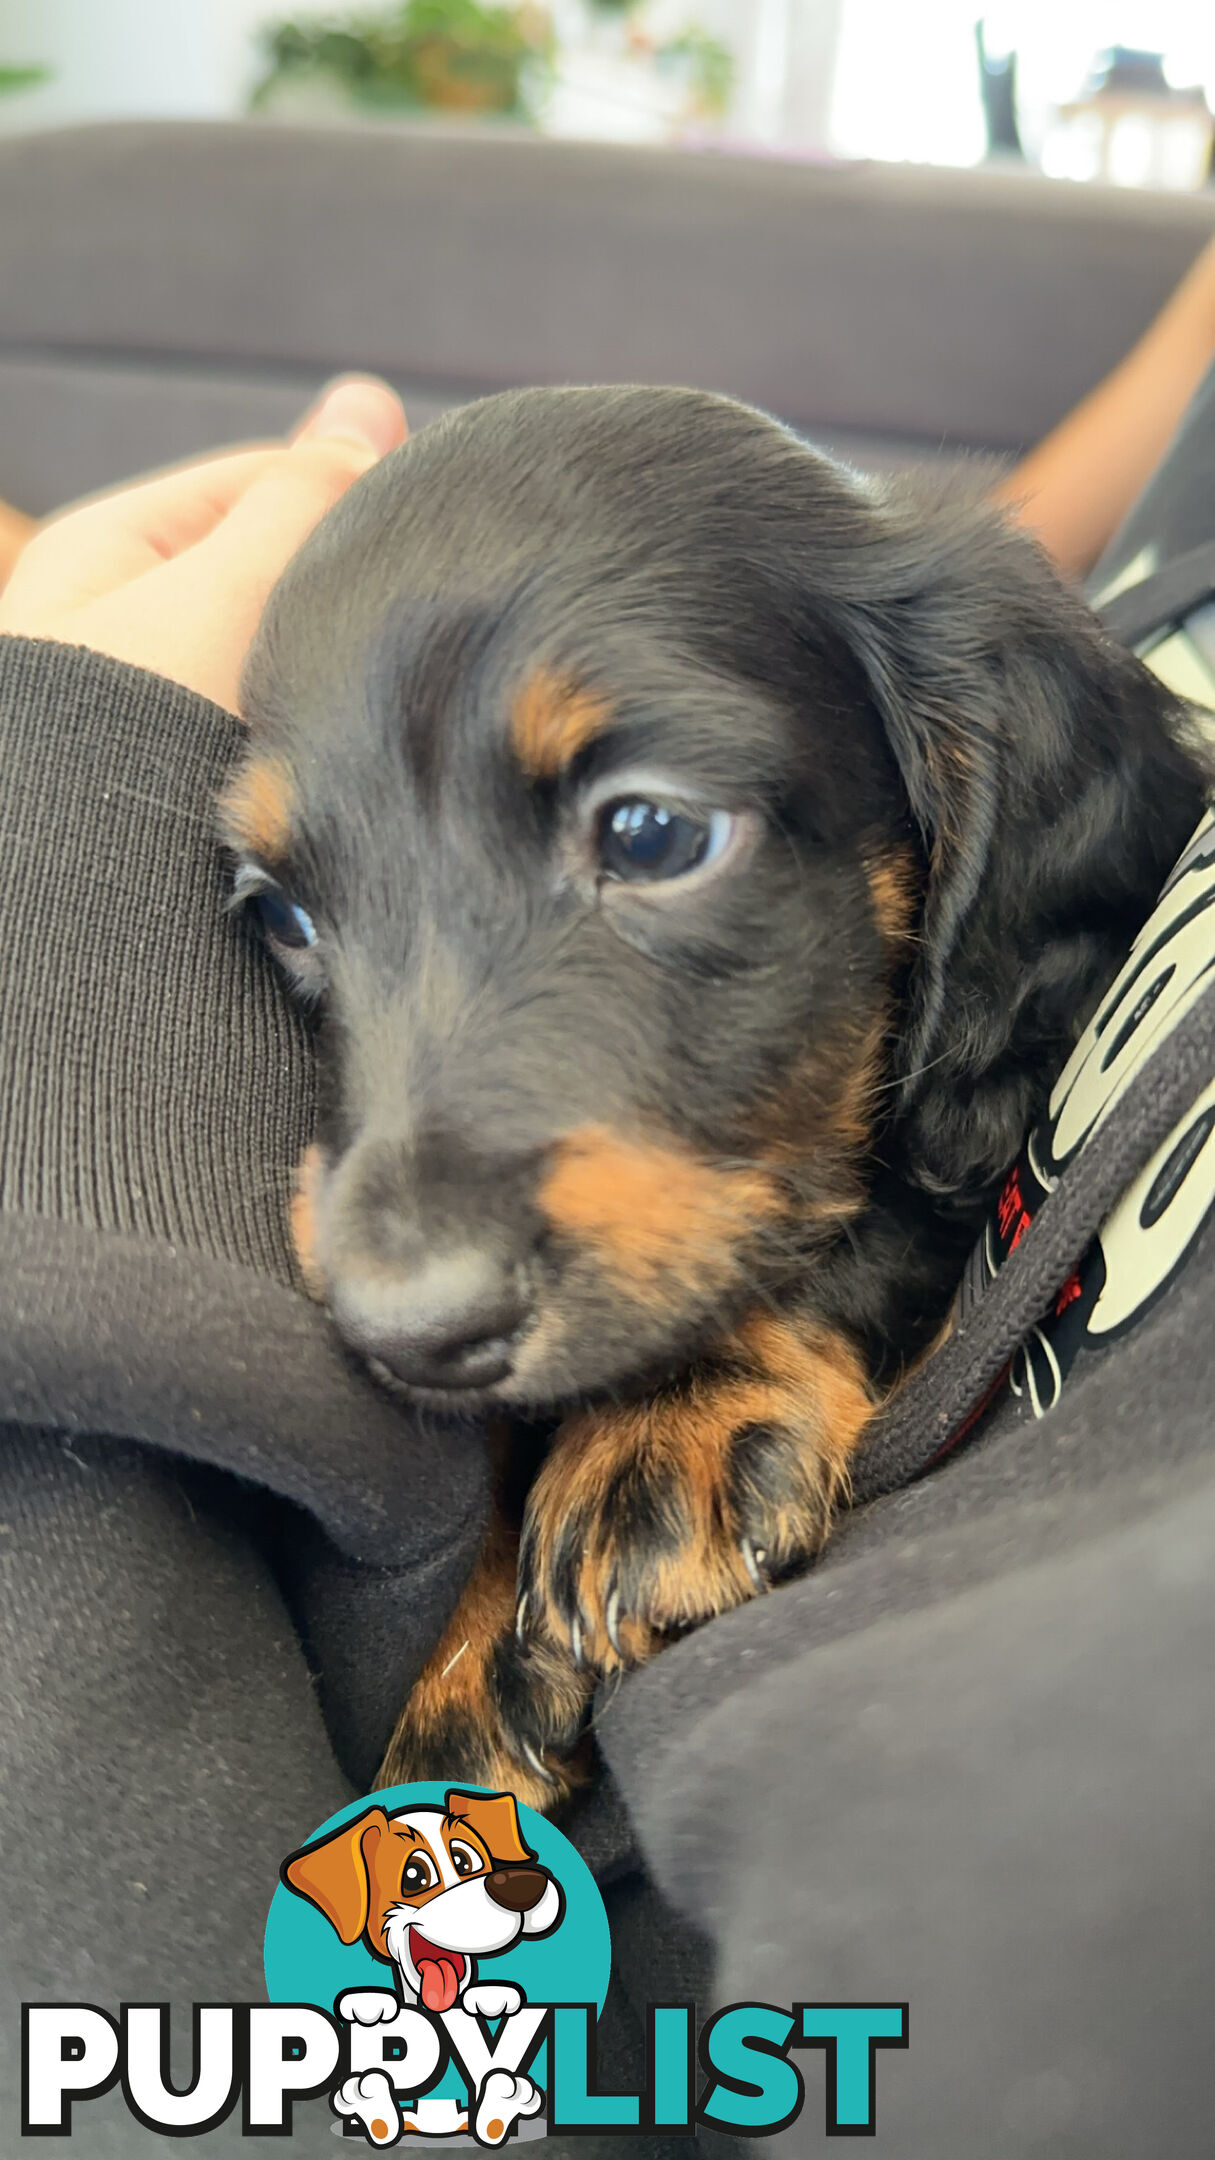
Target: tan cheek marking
x,y
892,892
646,1210
257,807
823,1117
852,1119
303,1220
551,720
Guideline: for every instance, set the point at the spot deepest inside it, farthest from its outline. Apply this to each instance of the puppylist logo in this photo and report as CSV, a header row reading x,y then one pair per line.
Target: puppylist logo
x,y
436,1960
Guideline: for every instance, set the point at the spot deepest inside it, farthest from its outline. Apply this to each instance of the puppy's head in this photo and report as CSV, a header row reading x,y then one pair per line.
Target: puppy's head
x,y
657,817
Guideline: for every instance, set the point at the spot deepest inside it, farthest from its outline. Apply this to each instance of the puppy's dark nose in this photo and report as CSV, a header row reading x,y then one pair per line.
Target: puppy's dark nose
x,y
517,1889
451,1323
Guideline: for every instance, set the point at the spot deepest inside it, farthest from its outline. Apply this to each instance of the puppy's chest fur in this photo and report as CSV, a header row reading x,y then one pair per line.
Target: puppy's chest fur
x,y
701,864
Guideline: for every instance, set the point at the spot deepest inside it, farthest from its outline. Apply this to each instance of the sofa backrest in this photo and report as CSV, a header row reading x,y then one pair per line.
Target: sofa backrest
x,y
167,286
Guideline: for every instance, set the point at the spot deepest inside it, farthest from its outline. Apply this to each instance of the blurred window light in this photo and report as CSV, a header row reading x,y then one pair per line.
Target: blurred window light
x,y
907,86
1132,151
907,82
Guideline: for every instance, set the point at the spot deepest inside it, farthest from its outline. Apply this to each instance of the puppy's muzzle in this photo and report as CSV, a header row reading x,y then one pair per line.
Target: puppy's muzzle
x,y
516,1889
452,1322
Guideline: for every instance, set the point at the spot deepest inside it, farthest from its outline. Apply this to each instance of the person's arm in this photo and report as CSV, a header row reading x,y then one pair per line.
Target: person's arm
x,y
1075,488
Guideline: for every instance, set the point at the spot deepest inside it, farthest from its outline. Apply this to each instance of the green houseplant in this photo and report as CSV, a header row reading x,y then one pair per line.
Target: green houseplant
x,y
465,56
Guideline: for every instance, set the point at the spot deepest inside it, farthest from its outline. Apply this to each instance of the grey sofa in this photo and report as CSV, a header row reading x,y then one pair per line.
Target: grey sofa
x,y
166,287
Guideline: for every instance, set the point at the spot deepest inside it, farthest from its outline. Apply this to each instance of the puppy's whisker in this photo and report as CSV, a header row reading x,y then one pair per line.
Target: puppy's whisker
x,y
454,1660
174,811
898,1081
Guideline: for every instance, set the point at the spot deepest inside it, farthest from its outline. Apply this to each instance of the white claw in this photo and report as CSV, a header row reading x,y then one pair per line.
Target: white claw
x,y
538,1766
612,1623
576,1640
751,1563
521,1620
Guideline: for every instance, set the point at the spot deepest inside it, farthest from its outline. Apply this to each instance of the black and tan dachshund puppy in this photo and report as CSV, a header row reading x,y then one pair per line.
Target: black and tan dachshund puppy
x,y
700,861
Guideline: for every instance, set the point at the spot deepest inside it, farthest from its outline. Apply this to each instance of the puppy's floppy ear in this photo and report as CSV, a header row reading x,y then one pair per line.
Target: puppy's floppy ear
x,y
950,762
495,1818
334,1875
1048,774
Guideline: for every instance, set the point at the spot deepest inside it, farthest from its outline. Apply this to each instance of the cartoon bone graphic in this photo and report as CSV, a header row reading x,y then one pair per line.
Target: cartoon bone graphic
x,y
429,1890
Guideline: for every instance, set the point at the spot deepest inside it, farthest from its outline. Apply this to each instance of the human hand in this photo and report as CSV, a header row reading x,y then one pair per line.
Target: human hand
x,y
172,574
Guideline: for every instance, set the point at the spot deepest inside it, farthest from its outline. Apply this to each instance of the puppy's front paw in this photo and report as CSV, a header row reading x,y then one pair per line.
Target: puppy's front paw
x,y
648,1518
482,1713
503,2099
510,1722
370,2100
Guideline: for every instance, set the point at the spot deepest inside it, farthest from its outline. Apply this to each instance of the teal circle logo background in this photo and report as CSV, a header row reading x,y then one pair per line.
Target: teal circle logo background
x,y
306,1961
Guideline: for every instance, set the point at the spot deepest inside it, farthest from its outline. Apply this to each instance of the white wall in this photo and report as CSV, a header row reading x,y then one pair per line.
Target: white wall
x,y
116,58
786,78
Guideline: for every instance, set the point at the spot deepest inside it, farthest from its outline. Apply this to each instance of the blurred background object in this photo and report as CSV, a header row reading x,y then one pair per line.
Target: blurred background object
x,y
21,78
428,55
642,70
1132,126
1111,90
998,90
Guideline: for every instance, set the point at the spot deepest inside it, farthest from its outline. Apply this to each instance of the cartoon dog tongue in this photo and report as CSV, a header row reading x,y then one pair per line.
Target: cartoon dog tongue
x,y
439,1971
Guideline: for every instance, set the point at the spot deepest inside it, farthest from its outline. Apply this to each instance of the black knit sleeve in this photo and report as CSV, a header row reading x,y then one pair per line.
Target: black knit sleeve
x,y
154,1078
155,1094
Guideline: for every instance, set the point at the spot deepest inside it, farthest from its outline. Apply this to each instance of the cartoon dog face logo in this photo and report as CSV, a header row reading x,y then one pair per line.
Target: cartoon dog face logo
x,y
431,1889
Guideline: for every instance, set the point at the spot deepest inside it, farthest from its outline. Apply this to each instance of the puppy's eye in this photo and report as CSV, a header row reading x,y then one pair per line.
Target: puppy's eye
x,y
644,842
464,1860
280,920
417,1874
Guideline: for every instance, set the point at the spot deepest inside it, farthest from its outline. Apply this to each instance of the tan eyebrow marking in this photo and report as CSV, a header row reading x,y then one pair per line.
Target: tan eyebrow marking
x,y
257,807
551,720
